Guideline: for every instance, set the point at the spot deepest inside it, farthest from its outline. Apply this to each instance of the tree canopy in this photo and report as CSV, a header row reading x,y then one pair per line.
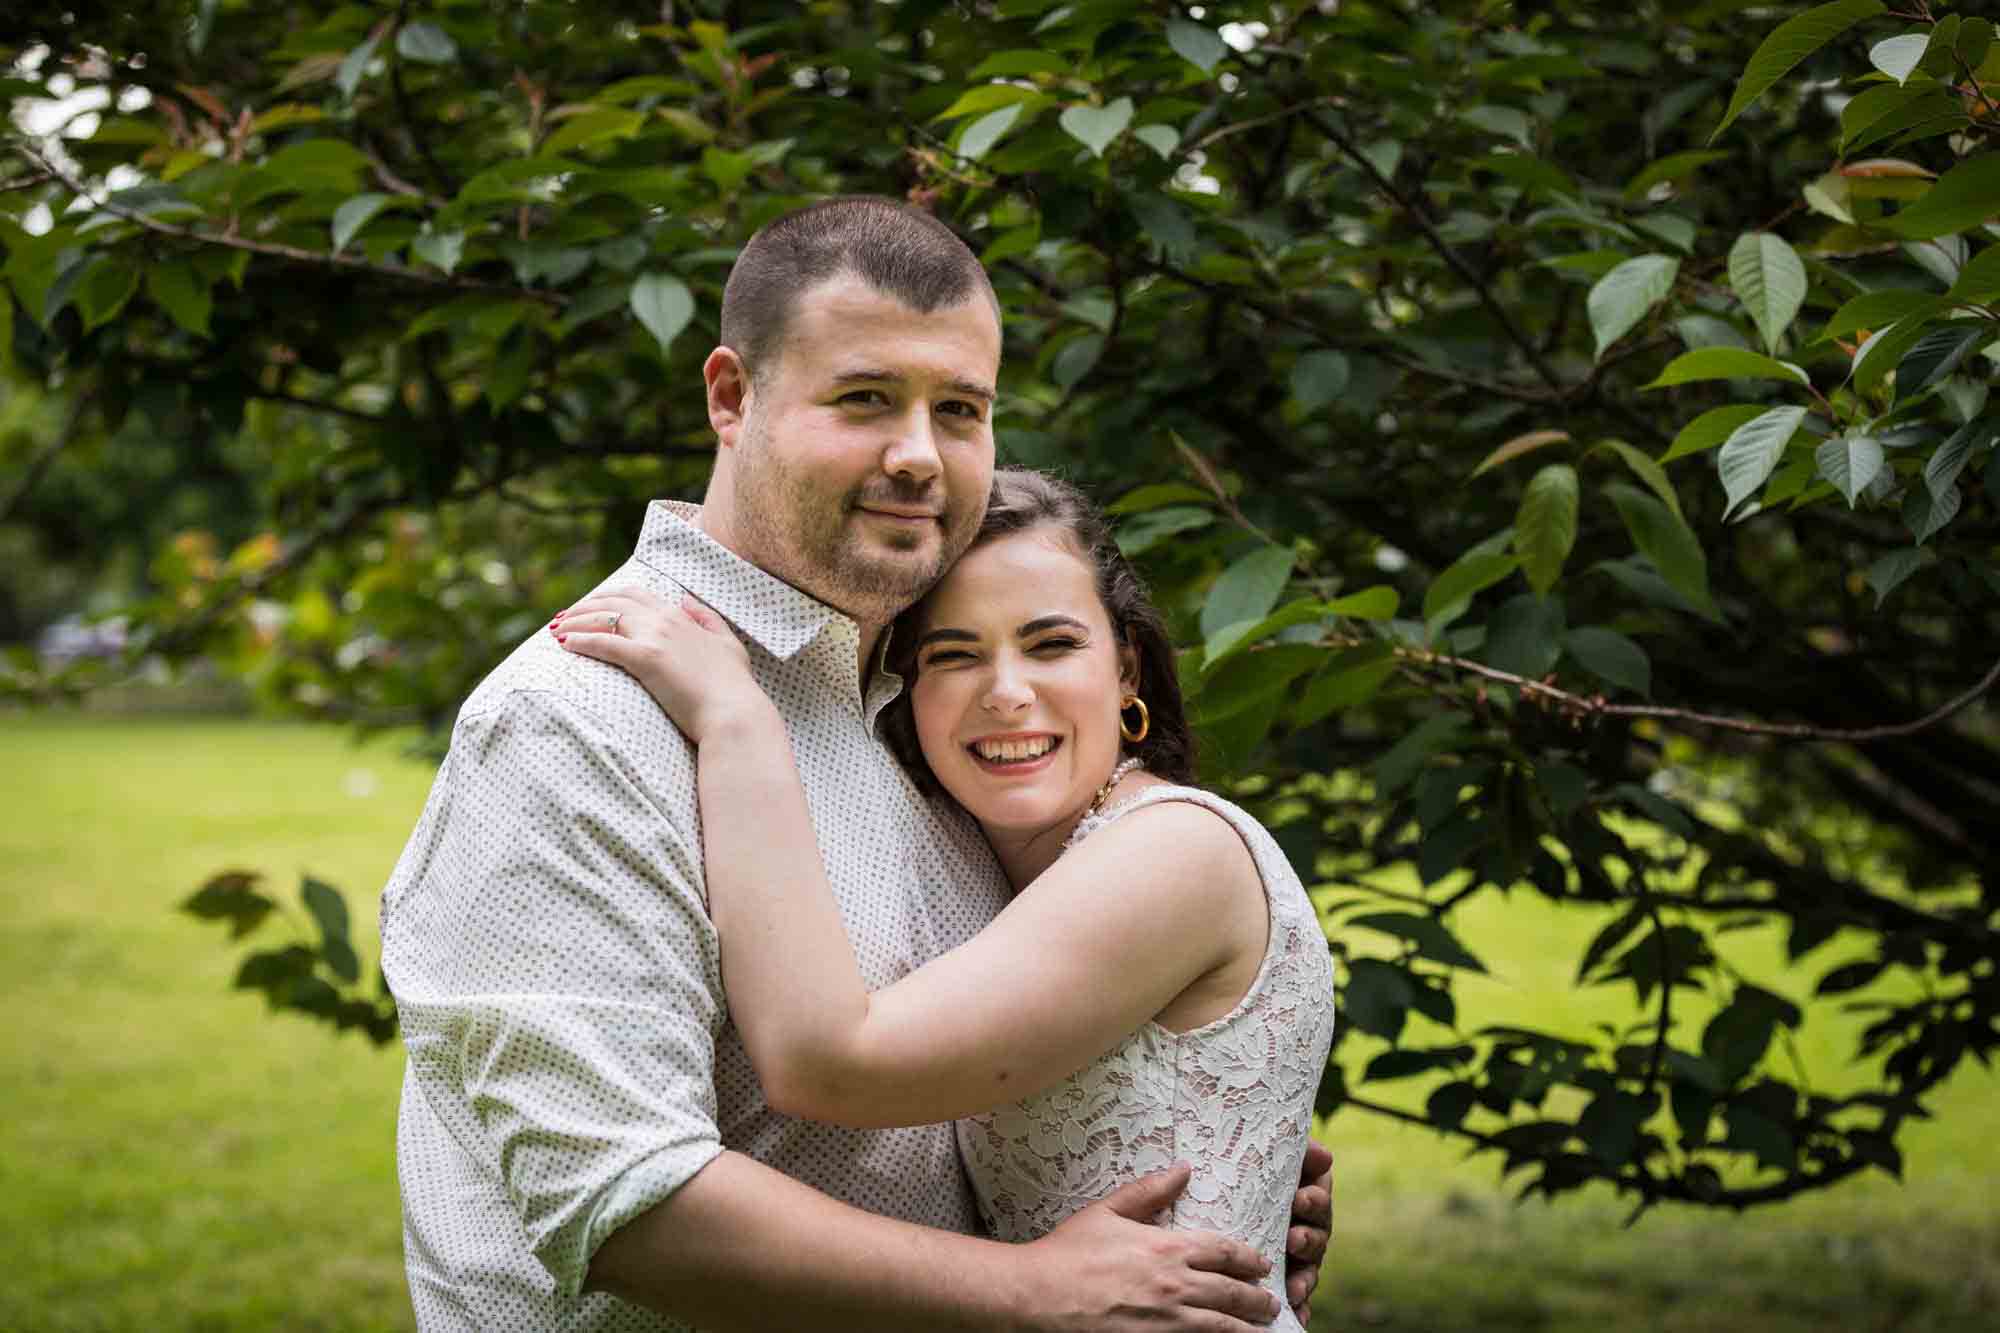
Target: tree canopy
x,y
1559,435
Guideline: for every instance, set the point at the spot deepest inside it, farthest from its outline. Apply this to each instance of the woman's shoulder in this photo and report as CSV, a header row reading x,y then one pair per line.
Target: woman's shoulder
x,y
1192,832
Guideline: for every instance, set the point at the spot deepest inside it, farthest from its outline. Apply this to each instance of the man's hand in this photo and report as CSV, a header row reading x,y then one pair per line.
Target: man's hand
x,y
1312,1219
1106,1270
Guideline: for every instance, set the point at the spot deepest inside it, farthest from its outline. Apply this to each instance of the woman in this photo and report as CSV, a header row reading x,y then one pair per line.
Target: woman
x,y
1157,991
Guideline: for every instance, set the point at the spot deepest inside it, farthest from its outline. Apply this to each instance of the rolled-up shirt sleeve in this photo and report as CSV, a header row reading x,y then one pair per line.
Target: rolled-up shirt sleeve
x,y
557,974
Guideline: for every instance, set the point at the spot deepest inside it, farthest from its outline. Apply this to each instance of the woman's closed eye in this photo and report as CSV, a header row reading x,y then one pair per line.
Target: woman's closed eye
x,y
1056,646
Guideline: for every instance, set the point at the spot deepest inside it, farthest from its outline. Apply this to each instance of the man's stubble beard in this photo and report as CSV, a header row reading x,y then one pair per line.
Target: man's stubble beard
x,y
808,539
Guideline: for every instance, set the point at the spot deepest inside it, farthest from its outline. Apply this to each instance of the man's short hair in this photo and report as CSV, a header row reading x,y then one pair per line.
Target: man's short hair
x,y
899,250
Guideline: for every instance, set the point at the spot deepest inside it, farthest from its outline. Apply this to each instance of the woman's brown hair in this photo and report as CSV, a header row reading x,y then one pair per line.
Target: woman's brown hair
x,y
1023,499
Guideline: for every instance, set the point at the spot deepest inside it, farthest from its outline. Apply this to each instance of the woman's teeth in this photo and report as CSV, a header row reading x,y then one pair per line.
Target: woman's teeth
x,y
1014,751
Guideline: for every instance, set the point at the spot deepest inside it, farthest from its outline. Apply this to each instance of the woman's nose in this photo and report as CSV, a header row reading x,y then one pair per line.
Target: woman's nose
x,y
1007,692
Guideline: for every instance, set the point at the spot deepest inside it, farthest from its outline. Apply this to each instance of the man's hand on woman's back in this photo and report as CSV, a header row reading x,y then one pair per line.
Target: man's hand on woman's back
x,y
1108,1269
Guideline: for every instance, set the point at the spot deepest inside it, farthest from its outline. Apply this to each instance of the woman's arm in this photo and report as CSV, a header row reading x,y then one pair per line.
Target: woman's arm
x,y
1100,943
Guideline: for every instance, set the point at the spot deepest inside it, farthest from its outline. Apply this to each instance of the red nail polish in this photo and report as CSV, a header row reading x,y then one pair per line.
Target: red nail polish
x,y
562,638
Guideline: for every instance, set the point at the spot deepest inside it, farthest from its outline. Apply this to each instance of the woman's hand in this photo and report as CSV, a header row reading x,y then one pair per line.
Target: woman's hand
x,y
686,656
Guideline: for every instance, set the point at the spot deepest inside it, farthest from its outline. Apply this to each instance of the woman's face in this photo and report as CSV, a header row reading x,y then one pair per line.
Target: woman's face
x,y
1019,677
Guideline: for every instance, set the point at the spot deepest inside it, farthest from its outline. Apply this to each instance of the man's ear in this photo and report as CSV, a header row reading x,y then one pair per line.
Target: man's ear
x,y
728,381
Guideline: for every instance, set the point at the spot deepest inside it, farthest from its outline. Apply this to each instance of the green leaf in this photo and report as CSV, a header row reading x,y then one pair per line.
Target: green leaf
x,y
1612,657
1147,530
1014,64
355,66
589,127
104,289
1198,45
983,133
990,97
1396,769
440,248
1673,168
1427,935
353,215
1376,603
1672,228
1941,472
1545,526
1668,543
1850,462
1884,351
1762,1137
1095,127
327,906
1979,280
1752,451
1077,359
1770,279
1524,635
1610,1125
1166,222
1960,200
177,289
1726,363
1941,351
1505,121
1888,574
1139,500
1377,997
1452,591
664,305
1621,298
425,43
1926,510
1898,57
1348,680
1878,310
1791,42
1319,377
1162,139
1230,638
1248,589
231,896
1710,429
1647,471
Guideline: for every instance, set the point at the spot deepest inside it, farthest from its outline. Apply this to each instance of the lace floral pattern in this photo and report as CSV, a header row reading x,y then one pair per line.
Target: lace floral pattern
x,y
1234,1096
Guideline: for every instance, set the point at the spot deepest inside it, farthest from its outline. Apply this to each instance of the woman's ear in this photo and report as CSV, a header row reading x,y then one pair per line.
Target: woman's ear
x,y
1128,668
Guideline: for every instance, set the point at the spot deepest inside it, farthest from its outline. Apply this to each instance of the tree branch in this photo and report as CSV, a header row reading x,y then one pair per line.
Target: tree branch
x,y
297,254
45,457
1443,247
1580,706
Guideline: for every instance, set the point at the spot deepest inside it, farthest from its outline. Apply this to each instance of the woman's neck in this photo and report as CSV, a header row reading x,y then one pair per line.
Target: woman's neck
x,y
1025,853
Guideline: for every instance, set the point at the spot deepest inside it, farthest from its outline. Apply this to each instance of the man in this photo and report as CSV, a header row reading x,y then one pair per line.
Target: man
x,y
583,1143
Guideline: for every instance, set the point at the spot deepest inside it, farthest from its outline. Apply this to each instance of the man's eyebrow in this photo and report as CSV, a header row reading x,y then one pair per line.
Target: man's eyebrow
x,y
868,375
948,635
1040,623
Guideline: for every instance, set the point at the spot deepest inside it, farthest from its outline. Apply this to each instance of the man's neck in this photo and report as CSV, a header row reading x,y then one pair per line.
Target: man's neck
x,y
714,522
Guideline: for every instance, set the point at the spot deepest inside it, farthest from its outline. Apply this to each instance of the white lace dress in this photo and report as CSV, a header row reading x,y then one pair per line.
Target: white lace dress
x,y
1232,1097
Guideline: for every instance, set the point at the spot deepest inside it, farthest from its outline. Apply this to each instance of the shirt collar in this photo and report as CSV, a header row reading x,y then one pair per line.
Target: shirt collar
x,y
776,616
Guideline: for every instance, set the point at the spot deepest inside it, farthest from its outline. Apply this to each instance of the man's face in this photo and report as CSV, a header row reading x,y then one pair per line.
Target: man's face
x,y
865,449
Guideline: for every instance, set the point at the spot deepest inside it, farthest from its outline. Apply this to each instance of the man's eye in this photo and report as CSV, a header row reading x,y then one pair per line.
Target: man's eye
x,y
865,398
970,411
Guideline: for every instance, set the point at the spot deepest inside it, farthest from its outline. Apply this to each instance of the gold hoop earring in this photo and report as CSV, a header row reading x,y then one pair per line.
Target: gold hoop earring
x,y
1145,719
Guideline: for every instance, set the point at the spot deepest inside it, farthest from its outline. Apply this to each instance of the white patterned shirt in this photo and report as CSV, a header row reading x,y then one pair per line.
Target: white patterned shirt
x,y
571,1062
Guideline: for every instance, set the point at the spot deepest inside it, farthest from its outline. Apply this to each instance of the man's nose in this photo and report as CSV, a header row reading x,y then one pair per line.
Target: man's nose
x,y
913,453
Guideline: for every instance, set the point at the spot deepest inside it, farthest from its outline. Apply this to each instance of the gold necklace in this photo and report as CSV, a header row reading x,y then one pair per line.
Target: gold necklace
x,y
1096,805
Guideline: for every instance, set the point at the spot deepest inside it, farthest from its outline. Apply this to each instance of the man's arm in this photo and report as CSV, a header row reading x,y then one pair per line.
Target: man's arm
x,y
742,1246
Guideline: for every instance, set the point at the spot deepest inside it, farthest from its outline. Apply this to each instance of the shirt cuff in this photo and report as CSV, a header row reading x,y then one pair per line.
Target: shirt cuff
x,y
644,1186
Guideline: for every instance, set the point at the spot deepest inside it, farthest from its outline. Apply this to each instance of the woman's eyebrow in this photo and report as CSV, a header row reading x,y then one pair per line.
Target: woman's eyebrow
x,y
951,635
1040,623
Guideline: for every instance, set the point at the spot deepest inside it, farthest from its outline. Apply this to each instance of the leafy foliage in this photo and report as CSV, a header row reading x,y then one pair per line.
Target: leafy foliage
x,y
429,290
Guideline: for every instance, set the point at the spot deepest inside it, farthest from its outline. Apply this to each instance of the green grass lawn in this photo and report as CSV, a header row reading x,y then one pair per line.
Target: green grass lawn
x,y
173,1159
